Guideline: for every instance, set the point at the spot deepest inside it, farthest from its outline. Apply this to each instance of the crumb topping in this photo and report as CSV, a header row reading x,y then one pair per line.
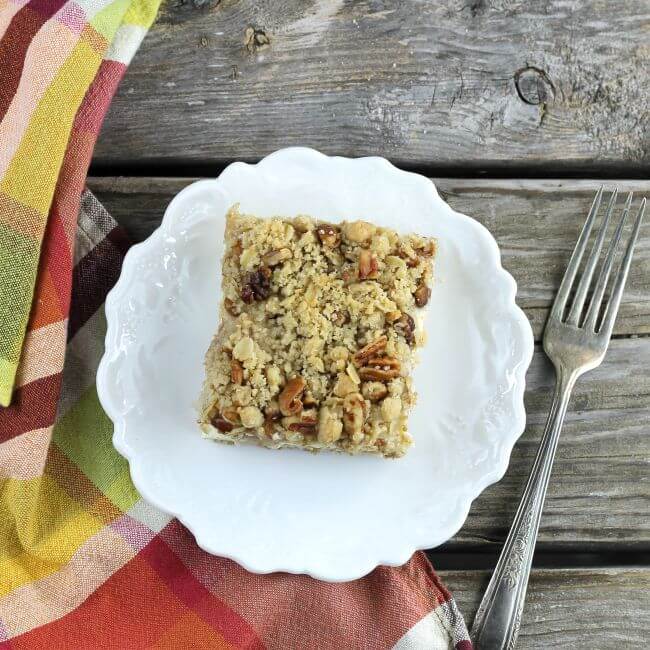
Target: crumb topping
x,y
317,336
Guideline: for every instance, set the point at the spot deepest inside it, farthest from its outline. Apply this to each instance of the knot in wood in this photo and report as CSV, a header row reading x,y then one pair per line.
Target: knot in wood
x,y
255,39
534,86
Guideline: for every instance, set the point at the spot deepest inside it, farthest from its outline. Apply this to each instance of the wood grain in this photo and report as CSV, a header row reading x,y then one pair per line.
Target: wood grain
x,y
454,84
571,608
536,224
599,496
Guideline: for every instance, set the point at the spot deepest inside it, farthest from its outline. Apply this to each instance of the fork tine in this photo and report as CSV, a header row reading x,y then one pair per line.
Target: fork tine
x,y
601,283
617,293
576,256
585,280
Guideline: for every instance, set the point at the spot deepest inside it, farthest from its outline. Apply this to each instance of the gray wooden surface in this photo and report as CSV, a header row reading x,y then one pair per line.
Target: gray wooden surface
x,y
469,84
580,609
475,88
599,498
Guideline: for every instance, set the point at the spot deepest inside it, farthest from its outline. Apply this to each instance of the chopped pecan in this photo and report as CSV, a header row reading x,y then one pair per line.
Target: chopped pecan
x,y
374,390
361,356
328,235
289,400
220,422
269,427
236,372
257,285
303,427
393,316
409,257
405,326
223,425
231,307
428,249
368,266
422,294
306,424
273,258
380,369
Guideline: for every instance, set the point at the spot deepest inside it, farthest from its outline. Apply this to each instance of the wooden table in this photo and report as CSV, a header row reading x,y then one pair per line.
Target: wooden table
x,y
518,110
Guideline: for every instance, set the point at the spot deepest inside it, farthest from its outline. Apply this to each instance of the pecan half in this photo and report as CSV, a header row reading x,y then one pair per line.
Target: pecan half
x,y
422,294
257,285
380,369
273,258
289,399
361,356
368,266
329,236
236,372
405,326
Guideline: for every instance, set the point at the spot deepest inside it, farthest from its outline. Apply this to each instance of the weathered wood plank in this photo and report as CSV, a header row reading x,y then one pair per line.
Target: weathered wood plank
x,y
571,608
493,83
600,495
536,224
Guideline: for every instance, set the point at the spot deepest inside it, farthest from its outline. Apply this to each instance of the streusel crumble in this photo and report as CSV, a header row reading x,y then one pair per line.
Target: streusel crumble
x,y
317,336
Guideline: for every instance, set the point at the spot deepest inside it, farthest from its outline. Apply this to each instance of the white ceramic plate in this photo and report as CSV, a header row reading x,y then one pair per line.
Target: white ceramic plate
x,y
332,516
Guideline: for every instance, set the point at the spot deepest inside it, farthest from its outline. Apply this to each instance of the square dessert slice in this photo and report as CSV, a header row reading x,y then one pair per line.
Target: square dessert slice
x,y
317,336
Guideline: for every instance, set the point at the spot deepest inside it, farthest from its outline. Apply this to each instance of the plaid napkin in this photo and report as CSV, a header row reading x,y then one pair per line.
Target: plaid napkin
x,y
86,563
60,63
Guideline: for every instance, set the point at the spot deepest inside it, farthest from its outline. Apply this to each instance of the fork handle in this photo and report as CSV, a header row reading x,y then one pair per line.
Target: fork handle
x,y
498,618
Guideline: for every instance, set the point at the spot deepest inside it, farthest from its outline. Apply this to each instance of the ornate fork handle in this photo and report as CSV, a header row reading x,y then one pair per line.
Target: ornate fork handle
x,y
498,618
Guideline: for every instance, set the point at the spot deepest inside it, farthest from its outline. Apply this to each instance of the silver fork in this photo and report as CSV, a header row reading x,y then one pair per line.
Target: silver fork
x,y
575,339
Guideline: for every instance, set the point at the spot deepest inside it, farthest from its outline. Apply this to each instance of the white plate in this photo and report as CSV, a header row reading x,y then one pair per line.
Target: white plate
x,y
332,516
